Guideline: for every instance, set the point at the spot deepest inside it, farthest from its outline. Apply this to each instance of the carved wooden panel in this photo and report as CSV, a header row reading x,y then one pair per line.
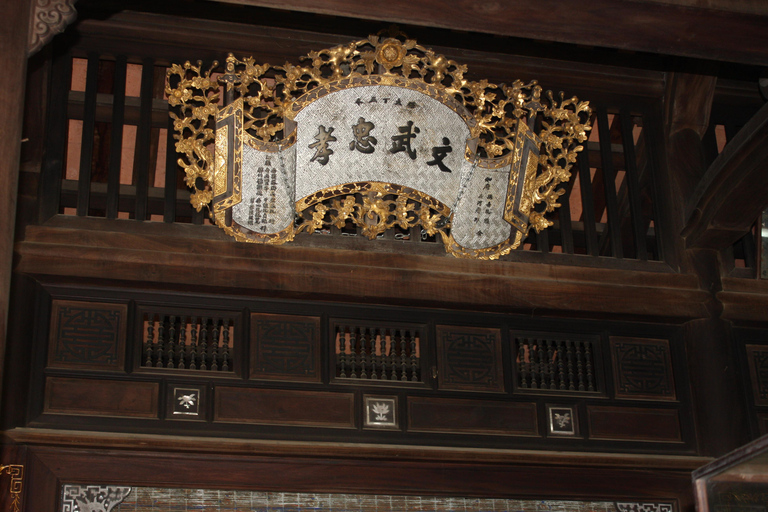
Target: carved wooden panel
x,y
472,416
284,407
101,397
469,359
634,424
757,356
642,368
285,347
87,335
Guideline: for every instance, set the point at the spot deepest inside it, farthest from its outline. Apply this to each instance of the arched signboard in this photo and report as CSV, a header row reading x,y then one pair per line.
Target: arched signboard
x,y
302,148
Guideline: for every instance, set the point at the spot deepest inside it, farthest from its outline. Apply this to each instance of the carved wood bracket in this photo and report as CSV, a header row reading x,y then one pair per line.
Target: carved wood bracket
x,y
733,191
49,17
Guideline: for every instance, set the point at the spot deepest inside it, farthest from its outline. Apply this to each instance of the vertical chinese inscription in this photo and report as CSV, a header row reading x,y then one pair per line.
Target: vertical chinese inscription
x,y
469,359
87,335
642,368
285,347
263,203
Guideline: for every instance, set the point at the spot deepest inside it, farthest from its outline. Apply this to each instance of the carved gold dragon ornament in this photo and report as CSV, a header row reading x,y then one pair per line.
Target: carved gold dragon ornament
x,y
269,93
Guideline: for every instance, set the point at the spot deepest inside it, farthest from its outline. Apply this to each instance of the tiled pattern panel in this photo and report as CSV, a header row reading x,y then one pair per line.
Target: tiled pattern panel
x,y
146,499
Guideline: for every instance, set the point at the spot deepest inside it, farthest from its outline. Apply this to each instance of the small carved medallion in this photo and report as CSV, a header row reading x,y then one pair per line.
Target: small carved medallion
x,y
186,402
380,412
562,420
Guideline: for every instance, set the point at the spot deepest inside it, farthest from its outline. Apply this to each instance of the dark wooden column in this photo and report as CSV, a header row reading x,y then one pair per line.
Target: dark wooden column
x,y
14,32
718,403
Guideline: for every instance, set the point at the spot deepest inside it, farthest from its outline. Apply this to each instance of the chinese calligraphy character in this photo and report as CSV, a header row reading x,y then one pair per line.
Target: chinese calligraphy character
x,y
402,142
322,151
364,141
439,153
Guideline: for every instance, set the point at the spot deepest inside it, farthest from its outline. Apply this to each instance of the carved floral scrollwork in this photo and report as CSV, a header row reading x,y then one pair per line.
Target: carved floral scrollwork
x,y
16,472
49,17
273,94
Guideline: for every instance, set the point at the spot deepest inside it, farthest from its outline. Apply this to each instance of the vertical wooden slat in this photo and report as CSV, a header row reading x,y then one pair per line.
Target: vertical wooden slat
x,y
654,148
542,241
614,223
709,141
171,172
587,204
55,134
144,140
116,141
564,214
633,186
197,216
730,131
86,148
750,250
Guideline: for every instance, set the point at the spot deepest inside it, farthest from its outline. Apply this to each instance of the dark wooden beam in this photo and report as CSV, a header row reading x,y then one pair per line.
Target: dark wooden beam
x,y
631,25
733,190
358,451
170,259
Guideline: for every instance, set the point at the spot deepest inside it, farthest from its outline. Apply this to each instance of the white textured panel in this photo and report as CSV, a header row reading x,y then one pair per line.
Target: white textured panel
x,y
267,204
478,220
388,108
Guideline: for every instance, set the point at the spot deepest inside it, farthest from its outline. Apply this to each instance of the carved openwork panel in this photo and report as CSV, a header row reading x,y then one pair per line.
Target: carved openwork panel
x,y
557,363
189,339
469,359
757,356
87,335
92,498
644,507
285,347
642,368
378,351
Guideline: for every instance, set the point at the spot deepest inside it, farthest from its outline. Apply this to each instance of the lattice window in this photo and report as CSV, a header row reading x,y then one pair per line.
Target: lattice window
x,y
377,352
187,342
557,364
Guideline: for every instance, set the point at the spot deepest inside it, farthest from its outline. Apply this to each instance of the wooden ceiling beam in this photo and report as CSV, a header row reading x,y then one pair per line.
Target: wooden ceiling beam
x,y
640,25
733,190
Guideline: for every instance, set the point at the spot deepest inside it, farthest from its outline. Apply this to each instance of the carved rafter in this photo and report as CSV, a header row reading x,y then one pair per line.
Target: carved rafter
x,y
49,17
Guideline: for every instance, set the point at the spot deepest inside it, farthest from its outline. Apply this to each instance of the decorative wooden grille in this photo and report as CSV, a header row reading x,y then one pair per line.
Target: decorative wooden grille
x,y
559,365
203,343
384,353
